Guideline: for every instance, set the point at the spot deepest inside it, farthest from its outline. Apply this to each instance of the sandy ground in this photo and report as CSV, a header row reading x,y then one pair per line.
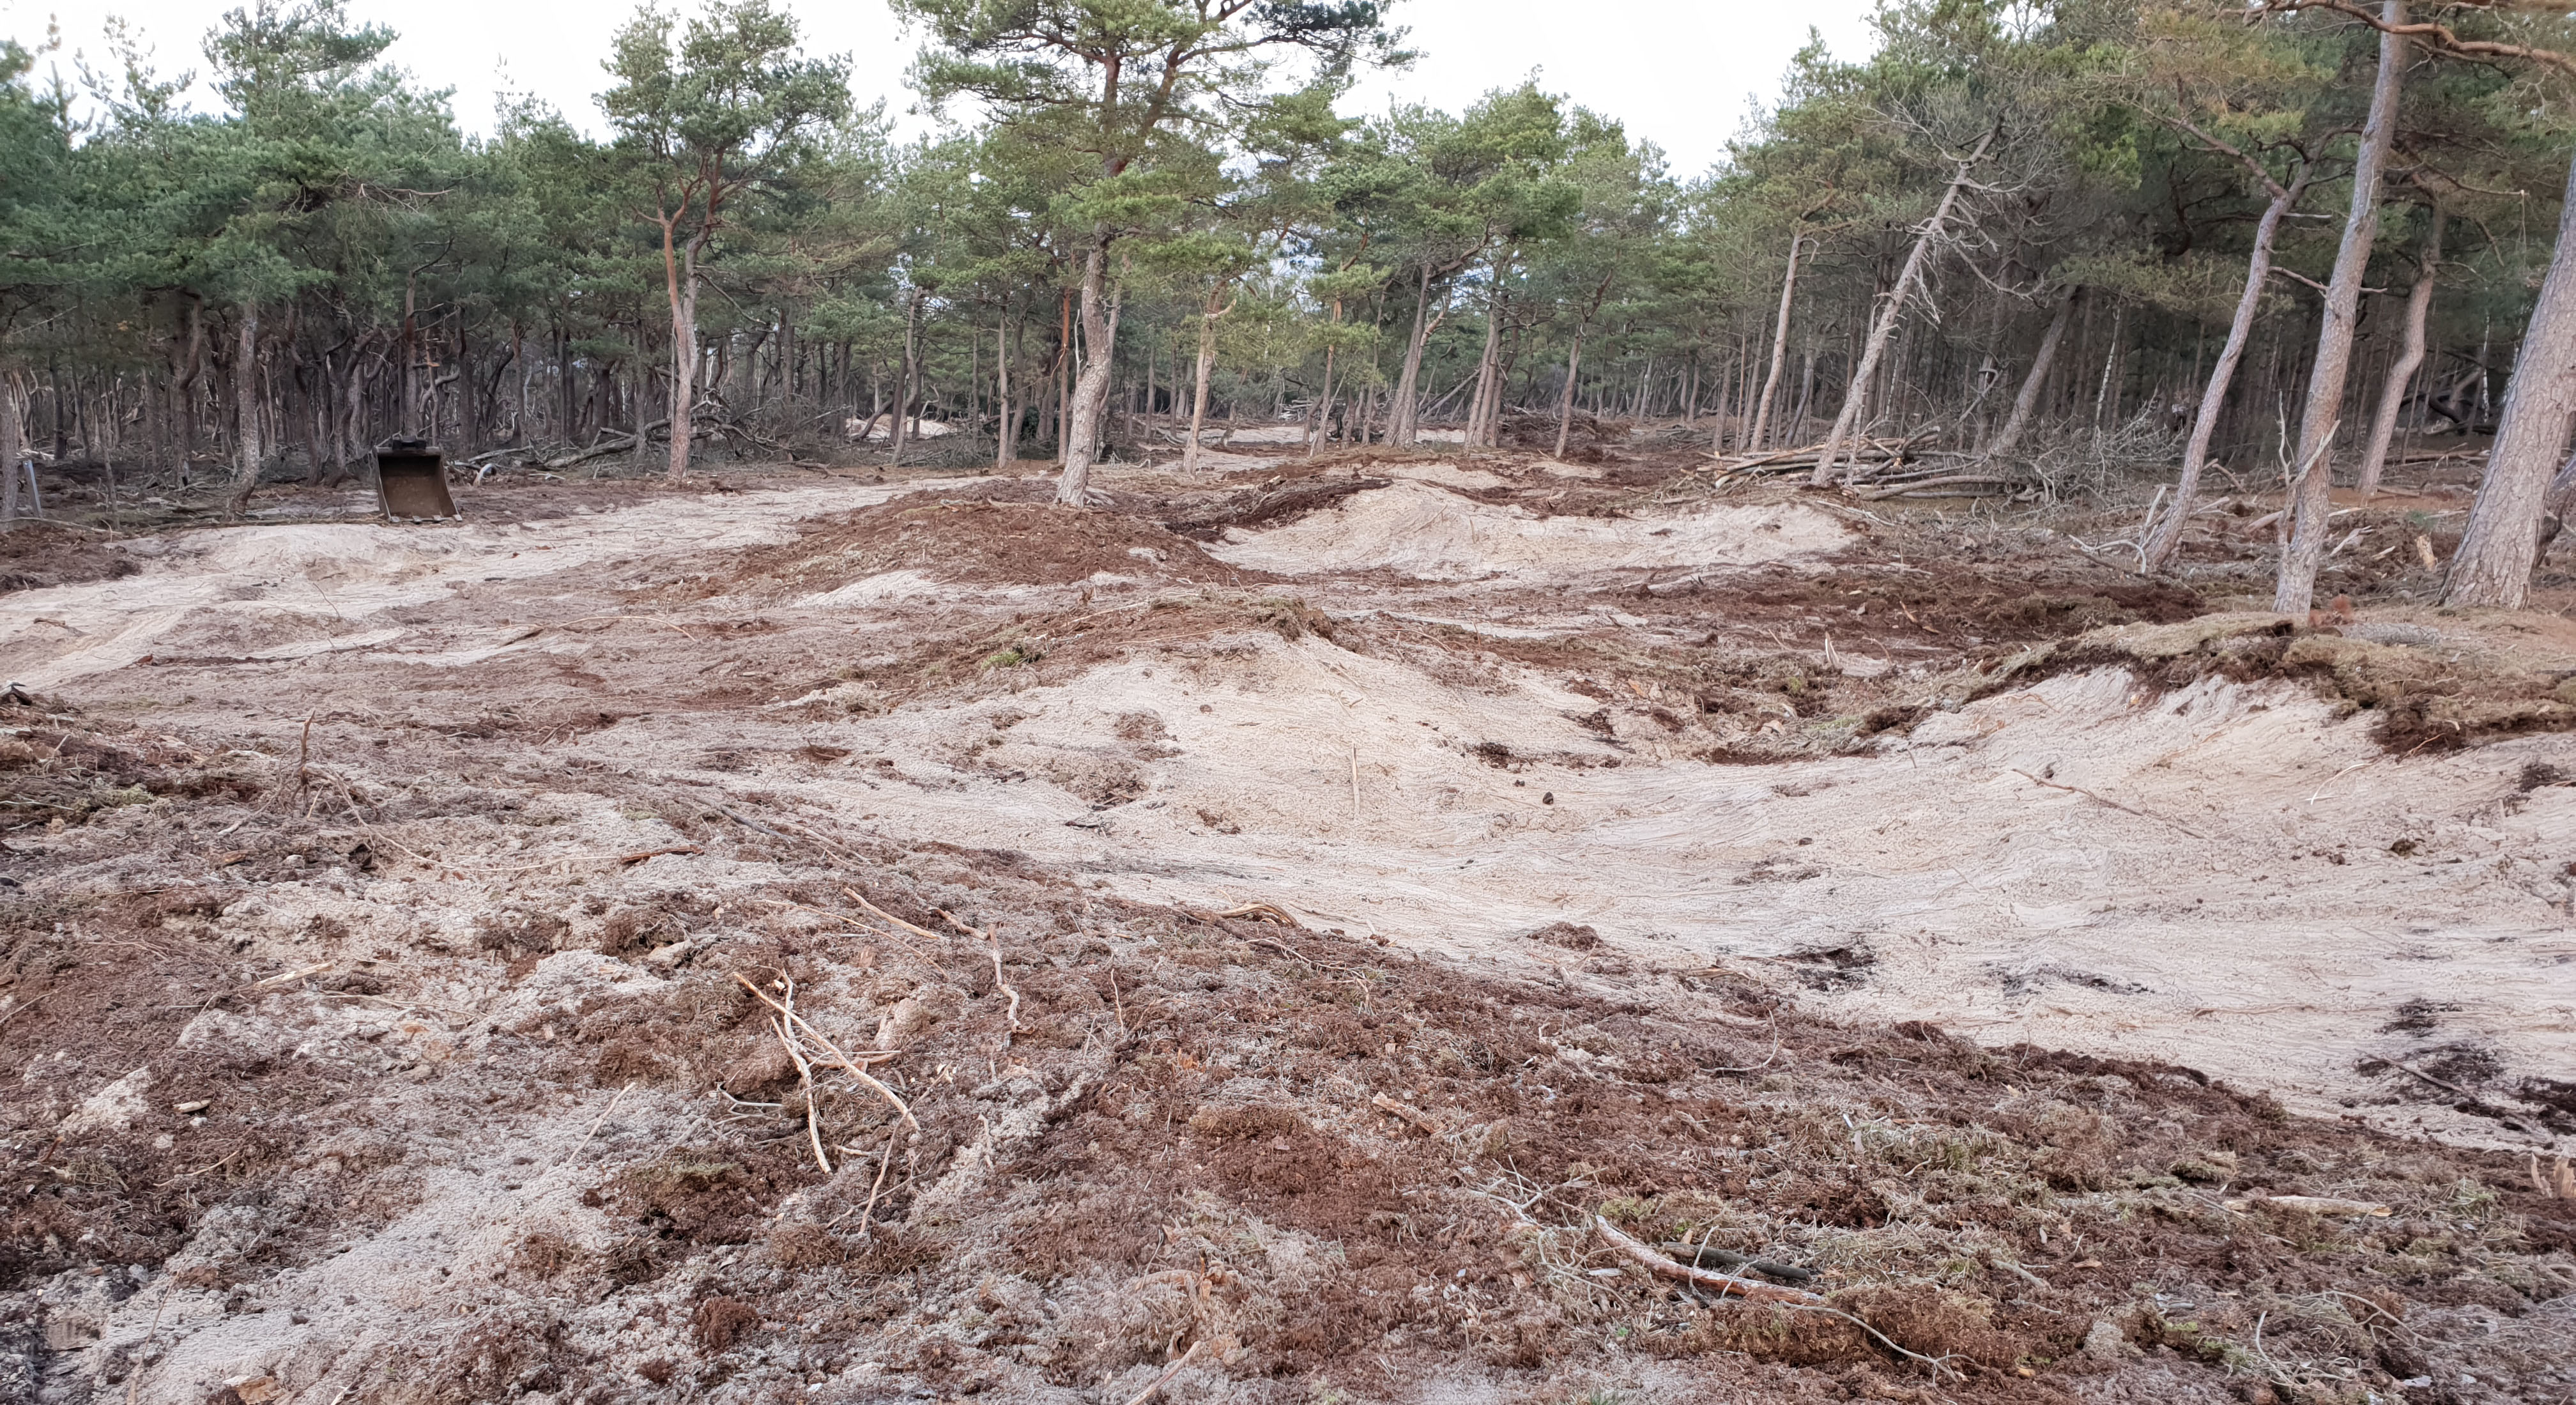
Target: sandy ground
x,y
2204,876
2224,876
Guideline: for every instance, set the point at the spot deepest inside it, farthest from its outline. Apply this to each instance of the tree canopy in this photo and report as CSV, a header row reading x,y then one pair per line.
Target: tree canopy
x,y
747,260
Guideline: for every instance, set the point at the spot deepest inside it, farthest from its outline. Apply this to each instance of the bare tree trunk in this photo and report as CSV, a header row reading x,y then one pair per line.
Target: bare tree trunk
x,y
1754,440
2312,485
2040,362
1091,388
2410,358
1006,428
2502,542
13,445
2167,536
1483,413
1857,392
246,411
680,270
1323,409
1207,367
1403,417
1565,405
905,390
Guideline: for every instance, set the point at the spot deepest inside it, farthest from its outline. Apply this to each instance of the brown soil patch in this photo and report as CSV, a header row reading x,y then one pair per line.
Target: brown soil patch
x,y
2428,691
38,554
975,538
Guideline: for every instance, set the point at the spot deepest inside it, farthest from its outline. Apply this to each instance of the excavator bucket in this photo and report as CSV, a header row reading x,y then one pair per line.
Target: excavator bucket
x,y
411,482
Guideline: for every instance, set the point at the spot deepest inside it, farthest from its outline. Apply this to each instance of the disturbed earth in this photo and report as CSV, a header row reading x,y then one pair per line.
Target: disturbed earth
x,y
1304,932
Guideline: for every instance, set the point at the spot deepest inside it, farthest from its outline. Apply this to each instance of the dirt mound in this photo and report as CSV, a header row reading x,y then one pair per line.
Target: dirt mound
x,y
2429,688
937,537
1430,533
34,555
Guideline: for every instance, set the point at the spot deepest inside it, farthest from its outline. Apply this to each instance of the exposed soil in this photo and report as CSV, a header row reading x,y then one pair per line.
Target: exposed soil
x,y
970,537
38,554
1275,974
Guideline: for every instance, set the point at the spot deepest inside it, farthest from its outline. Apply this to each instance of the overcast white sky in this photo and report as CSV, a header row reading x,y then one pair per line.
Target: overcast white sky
x,y
1678,72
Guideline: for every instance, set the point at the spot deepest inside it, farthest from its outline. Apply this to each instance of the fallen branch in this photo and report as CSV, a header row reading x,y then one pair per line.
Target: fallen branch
x,y
1425,1122
2317,1205
1723,1283
1793,1298
995,945
1916,485
884,916
1166,1378
848,1064
805,1082
641,855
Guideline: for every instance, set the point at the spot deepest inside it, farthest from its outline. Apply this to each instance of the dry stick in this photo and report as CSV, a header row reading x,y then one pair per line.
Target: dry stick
x,y
884,916
1166,1378
1013,1016
134,1383
885,1163
584,1144
24,1006
1663,1267
1117,1000
805,1079
641,855
1723,1283
847,1063
304,764
895,937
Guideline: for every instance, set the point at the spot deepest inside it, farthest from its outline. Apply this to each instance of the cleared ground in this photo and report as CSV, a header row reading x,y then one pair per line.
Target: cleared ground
x,y
1854,887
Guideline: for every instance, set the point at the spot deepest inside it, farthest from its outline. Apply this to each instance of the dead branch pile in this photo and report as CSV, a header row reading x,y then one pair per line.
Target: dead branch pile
x,y
1880,468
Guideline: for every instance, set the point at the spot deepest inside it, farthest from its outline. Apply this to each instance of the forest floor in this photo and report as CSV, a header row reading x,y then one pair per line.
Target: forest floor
x,y
1294,901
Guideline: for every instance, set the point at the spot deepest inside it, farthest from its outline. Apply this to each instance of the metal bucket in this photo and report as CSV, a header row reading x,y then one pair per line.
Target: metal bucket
x,y
411,482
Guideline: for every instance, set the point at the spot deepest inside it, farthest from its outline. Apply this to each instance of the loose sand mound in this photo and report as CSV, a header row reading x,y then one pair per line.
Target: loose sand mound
x,y
1419,530
236,590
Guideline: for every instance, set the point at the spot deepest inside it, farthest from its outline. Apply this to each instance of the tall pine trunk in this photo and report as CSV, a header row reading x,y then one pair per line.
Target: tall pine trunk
x,y
1565,405
1091,388
2167,535
1857,393
1484,413
1403,417
680,272
2312,483
905,388
2410,358
2502,541
246,407
1754,439
1206,367
13,445
1006,426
